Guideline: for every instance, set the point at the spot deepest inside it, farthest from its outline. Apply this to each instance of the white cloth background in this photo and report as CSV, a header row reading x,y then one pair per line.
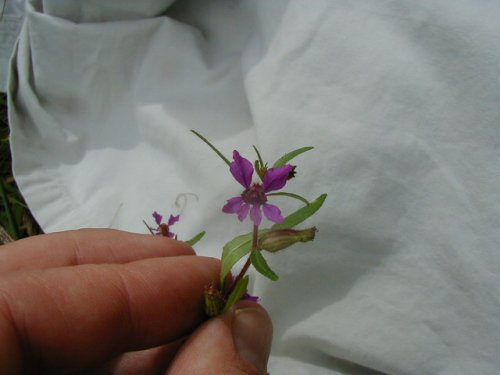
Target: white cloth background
x,y
400,99
11,19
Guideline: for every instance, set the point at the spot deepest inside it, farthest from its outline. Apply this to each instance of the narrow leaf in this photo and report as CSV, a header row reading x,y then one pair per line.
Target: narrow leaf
x,y
149,228
291,195
234,250
13,229
226,160
261,265
289,156
301,214
195,239
239,290
258,156
15,201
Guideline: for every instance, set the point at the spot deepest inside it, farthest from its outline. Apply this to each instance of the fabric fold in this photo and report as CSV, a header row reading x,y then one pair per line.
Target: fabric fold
x,y
400,101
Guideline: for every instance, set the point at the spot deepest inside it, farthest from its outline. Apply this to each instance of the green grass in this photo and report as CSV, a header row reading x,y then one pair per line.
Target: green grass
x,y
16,220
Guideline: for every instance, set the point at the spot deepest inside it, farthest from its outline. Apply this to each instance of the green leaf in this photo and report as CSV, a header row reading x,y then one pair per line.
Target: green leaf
x,y
301,214
195,239
239,290
18,213
234,250
212,147
261,265
13,229
290,195
149,228
289,156
258,156
17,202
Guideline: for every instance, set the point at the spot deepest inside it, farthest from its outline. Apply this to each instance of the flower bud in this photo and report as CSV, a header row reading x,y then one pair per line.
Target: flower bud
x,y
280,239
214,300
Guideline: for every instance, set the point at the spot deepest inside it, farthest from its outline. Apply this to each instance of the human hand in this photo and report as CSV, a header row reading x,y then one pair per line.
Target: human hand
x,y
102,301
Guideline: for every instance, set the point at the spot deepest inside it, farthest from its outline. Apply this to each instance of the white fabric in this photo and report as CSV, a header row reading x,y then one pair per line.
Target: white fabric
x,y
400,100
11,18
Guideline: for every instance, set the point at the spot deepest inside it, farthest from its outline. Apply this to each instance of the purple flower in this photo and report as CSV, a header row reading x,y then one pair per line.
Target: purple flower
x,y
163,229
253,200
248,297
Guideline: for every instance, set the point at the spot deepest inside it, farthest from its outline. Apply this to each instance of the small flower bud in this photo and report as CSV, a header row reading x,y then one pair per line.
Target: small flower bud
x,y
214,300
280,239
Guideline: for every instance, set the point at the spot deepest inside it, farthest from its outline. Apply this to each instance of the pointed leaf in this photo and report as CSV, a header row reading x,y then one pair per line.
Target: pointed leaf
x,y
195,239
291,195
260,264
258,155
301,214
234,250
239,290
226,160
149,228
289,156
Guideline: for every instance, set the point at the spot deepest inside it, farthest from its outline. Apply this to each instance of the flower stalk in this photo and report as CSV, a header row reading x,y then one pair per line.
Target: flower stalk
x,y
260,182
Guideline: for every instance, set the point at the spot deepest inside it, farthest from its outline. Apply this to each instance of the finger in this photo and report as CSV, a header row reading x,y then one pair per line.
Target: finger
x,y
73,317
86,246
237,343
149,361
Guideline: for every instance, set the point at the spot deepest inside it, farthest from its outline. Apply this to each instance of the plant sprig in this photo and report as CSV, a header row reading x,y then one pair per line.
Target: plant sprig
x,y
253,202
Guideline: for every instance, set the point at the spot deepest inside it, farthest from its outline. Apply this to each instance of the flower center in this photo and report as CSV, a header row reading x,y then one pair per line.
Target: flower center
x,y
164,229
254,195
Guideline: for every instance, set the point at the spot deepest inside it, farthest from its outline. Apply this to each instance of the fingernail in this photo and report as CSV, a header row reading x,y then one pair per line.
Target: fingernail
x,y
253,334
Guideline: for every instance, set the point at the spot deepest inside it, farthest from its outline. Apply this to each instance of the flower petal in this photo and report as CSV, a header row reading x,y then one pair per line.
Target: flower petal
x,y
255,214
233,205
243,212
173,219
276,178
241,169
249,297
158,218
273,213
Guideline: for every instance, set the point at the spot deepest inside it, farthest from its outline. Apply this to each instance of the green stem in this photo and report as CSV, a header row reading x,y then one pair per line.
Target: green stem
x,y
255,237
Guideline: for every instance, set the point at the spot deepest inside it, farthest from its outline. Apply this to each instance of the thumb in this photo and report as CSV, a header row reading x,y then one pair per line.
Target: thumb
x,y
236,343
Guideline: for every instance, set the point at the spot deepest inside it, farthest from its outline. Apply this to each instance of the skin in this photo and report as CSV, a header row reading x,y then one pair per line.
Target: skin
x,y
101,301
